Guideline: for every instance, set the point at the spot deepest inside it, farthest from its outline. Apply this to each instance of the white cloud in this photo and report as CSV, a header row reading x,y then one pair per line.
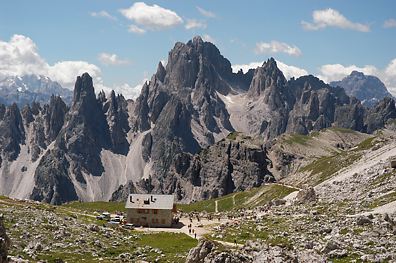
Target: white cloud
x,y
389,76
152,17
390,23
332,72
128,91
206,12
103,14
20,56
66,72
288,71
332,18
136,29
208,38
193,23
245,67
277,47
291,71
390,70
111,59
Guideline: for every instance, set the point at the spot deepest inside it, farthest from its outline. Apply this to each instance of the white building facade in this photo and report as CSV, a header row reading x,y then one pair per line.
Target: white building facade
x,y
150,210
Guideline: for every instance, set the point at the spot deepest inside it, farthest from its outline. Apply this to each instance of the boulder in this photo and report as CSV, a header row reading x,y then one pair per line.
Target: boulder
x,y
363,220
306,195
200,252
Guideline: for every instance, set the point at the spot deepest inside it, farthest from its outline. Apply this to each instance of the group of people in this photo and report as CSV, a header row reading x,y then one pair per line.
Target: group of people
x,y
192,231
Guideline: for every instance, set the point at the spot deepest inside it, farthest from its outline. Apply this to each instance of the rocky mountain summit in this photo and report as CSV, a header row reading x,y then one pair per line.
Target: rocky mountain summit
x,y
27,89
368,89
172,139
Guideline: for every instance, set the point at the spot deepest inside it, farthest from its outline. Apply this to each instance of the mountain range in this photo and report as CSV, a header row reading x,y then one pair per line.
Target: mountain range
x,y
191,132
368,89
30,88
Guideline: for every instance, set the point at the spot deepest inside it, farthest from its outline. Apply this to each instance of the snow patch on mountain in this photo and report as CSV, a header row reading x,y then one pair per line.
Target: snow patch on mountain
x,y
26,89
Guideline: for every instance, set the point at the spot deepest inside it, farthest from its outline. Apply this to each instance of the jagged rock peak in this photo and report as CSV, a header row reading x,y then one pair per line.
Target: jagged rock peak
x,y
27,114
83,88
161,72
12,132
102,96
113,101
112,95
56,116
268,75
197,40
271,64
197,63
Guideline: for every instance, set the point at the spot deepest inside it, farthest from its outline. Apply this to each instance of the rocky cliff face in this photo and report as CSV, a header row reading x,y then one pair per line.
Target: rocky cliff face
x,y
171,139
274,106
368,89
12,131
317,106
78,145
181,109
378,115
232,164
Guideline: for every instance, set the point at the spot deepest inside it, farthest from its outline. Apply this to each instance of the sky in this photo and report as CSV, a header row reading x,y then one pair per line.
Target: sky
x,y
120,42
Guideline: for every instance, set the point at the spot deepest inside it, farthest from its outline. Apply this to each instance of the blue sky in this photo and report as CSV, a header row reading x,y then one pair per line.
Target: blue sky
x,y
343,35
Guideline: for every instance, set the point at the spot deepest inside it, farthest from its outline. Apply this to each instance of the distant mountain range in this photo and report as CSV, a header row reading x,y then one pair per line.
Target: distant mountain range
x,y
173,137
368,89
26,89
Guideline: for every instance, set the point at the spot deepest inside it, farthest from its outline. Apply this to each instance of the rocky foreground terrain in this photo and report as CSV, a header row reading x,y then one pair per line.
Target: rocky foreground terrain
x,y
46,233
317,232
337,204
345,211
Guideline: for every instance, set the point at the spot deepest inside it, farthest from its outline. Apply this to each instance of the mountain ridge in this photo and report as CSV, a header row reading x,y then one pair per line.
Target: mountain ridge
x,y
102,146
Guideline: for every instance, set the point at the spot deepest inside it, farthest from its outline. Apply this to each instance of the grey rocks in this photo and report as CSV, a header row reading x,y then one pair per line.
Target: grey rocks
x,y
363,220
307,103
230,165
11,131
253,251
306,195
208,252
267,77
200,252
